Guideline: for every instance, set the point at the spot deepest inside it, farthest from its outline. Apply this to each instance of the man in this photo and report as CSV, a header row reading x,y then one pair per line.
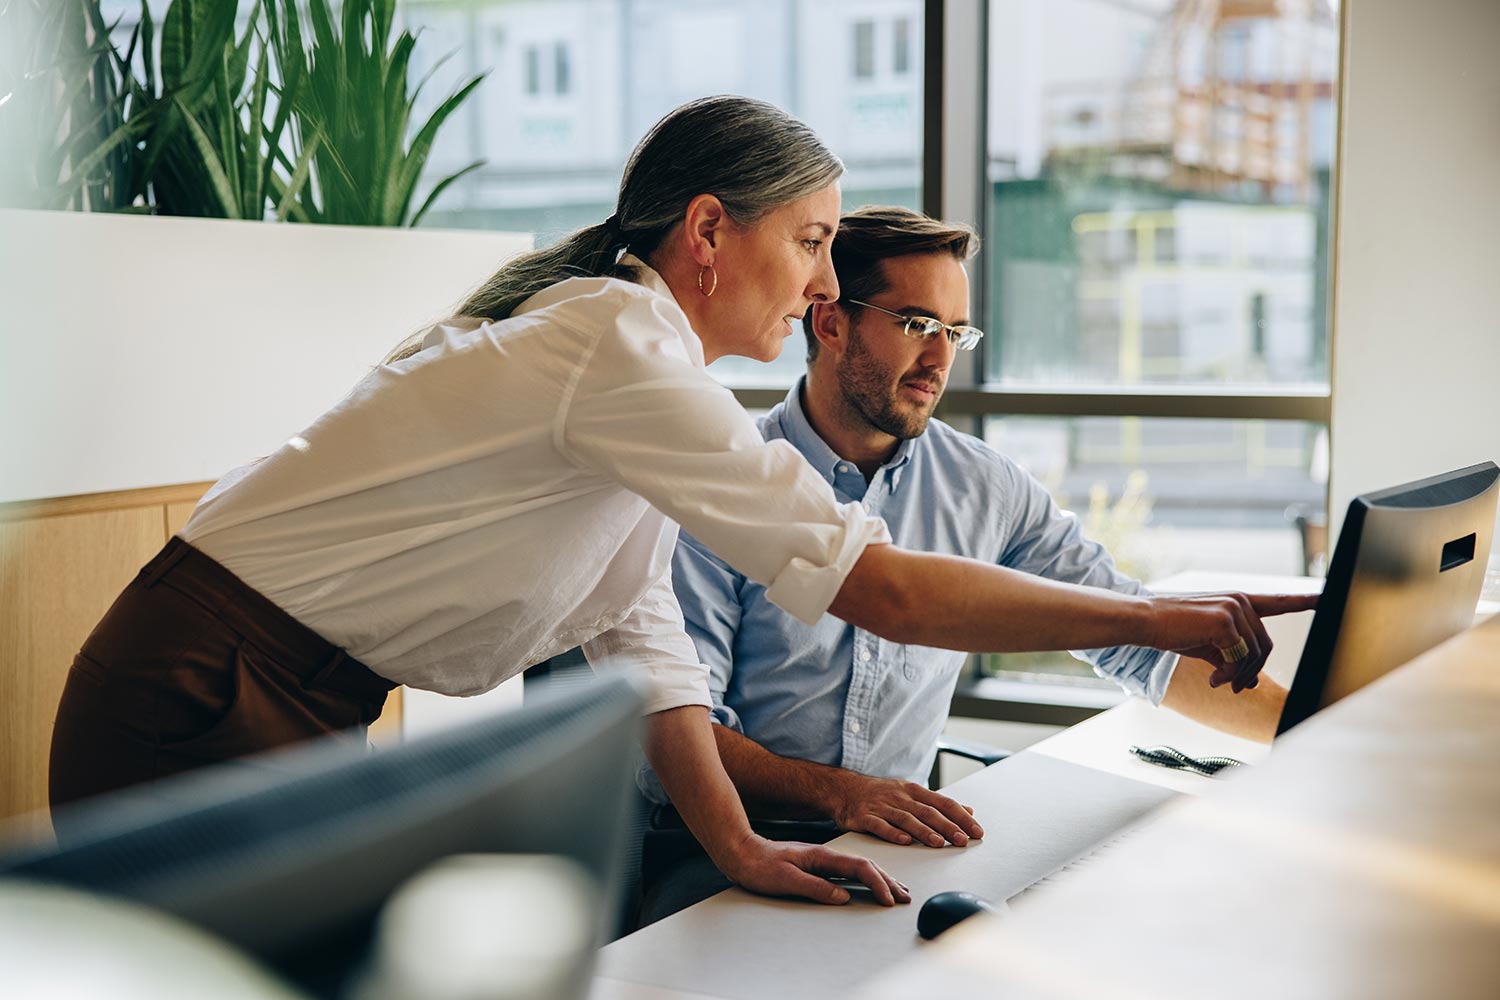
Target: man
x,y
830,721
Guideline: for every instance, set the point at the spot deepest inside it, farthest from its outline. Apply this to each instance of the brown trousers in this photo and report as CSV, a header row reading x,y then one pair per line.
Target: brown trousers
x,y
191,666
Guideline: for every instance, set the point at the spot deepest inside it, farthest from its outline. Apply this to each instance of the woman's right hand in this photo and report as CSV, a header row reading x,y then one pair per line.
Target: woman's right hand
x,y
783,868
1207,626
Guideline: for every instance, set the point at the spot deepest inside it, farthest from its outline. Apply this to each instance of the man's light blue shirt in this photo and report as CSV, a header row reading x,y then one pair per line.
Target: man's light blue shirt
x,y
839,695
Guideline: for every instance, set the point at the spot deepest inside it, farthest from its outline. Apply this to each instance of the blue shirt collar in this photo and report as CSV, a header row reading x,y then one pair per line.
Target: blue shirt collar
x,y
796,429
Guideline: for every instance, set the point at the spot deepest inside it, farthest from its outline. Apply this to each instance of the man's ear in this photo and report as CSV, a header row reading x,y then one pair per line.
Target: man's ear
x,y
704,226
830,324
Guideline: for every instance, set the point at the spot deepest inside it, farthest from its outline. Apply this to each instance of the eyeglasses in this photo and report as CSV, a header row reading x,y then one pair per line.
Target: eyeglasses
x,y
925,328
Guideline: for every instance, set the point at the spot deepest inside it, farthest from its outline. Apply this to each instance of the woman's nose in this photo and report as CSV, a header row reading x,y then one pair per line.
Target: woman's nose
x,y
824,286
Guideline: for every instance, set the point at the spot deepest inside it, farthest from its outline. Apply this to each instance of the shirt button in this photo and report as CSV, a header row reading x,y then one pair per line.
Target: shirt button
x,y
854,727
866,656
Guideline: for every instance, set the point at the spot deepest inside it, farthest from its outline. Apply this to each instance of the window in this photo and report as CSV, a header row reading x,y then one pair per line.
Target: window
x,y
562,70
533,70
1157,276
901,47
864,50
555,78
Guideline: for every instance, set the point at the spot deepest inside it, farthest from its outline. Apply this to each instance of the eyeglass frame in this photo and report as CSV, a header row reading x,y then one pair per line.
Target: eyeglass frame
x,y
954,337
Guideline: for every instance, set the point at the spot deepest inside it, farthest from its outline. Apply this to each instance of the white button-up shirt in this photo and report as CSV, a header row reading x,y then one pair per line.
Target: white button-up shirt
x,y
514,490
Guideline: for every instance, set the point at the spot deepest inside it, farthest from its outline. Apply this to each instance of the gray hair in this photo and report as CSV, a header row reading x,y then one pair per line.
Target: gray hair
x,y
751,155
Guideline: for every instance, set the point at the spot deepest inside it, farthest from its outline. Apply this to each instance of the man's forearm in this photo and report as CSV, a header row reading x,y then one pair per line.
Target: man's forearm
x,y
774,786
1252,713
899,811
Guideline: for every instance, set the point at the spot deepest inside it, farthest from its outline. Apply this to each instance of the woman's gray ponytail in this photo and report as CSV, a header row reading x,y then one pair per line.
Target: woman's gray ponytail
x,y
752,155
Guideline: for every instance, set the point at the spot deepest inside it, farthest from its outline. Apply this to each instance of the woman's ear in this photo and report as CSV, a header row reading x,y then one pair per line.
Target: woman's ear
x,y
705,224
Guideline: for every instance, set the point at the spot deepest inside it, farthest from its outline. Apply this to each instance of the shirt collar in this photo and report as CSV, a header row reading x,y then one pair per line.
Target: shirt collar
x,y
798,431
649,278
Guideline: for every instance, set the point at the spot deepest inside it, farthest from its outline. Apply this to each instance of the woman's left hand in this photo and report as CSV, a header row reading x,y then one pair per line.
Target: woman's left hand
x,y
783,868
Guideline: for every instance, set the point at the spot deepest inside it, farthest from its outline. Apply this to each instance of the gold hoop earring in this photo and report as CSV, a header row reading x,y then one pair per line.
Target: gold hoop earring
x,y
713,286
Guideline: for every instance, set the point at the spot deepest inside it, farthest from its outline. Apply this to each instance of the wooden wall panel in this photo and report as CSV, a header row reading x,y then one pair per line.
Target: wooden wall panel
x,y
62,562
58,575
386,731
177,516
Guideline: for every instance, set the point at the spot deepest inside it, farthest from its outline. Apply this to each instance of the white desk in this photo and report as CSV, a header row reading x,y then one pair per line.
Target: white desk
x,y
1362,860
738,945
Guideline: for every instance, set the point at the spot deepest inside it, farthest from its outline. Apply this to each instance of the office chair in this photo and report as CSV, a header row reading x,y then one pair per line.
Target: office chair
x,y
1312,534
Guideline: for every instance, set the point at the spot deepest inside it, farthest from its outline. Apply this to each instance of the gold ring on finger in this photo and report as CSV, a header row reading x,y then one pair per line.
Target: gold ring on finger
x,y
1235,653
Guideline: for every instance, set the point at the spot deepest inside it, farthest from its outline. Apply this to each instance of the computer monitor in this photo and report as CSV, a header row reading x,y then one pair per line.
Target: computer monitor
x,y
292,860
1405,575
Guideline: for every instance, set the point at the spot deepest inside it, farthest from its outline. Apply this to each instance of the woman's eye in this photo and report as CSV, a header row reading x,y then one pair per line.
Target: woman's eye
x,y
812,245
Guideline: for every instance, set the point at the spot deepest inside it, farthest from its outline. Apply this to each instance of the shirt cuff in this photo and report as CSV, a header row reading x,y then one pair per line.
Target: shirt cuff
x,y
1161,676
804,590
668,683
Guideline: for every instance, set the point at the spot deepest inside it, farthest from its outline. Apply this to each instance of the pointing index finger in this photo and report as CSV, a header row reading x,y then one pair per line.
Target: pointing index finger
x,y
1266,605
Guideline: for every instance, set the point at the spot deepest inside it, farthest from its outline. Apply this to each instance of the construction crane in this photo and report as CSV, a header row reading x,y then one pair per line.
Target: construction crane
x,y
1223,98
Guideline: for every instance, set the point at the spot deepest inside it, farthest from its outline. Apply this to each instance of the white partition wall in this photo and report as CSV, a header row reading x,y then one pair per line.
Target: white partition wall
x,y
139,351
1416,342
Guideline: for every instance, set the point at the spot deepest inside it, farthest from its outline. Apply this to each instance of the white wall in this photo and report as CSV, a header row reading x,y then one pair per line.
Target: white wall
x,y
1416,322
149,351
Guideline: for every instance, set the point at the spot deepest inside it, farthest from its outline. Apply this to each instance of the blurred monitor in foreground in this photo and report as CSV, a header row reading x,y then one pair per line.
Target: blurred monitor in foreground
x,y
1405,575
291,861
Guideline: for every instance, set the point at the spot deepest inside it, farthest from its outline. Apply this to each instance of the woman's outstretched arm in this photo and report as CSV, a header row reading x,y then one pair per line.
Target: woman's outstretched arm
x,y
955,603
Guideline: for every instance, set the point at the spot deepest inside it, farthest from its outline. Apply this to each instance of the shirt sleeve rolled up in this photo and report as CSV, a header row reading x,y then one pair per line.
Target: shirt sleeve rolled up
x,y
651,641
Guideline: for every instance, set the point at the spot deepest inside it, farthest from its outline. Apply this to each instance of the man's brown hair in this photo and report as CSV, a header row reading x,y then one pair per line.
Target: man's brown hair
x,y
870,236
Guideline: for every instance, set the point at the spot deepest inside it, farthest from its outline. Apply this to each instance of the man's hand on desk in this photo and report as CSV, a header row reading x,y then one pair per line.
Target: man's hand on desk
x,y
784,868
901,812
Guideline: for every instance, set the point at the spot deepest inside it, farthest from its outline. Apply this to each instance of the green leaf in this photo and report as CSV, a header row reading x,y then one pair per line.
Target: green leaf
x,y
322,23
240,63
86,165
442,186
298,179
174,44
284,100
395,115
255,194
148,34
212,33
223,115
422,145
220,182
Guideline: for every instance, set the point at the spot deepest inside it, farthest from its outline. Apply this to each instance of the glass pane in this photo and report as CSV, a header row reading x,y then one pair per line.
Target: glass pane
x,y
571,85
1159,182
864,50
1167,496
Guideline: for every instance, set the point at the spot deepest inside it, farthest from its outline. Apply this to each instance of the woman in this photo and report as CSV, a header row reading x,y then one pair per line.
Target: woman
x,y
510,486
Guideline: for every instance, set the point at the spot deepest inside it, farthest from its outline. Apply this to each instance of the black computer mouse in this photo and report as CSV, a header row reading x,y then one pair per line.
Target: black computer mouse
x,y
948,908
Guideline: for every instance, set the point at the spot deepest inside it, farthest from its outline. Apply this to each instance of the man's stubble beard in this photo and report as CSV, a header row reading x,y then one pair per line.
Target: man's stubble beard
x,y
866,386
